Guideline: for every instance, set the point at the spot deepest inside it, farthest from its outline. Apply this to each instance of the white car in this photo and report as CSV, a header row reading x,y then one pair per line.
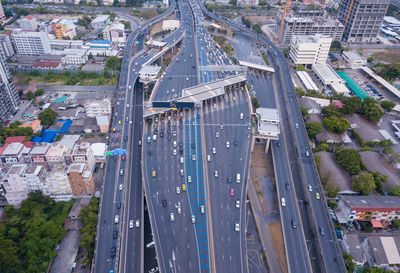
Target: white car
x,y
172,217
179,210
194,157
131,224
120,187
297,125
193,219
309,188
283,201
174,152
227,144
214,150
189,179
237,204
217,135
237,227
178,190
137,223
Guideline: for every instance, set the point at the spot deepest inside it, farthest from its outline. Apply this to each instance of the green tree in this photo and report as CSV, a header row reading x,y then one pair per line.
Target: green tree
x,y
371,110
331,110
313,128
47,117
127,25
396,223
335,124
39,92
374,269
370,59
255,102
90,56
349,159
300,67
30,95
332,190
299,92
348,260
113,63
333,204
336,46
364,183
388,105
395,190
351,105
257,28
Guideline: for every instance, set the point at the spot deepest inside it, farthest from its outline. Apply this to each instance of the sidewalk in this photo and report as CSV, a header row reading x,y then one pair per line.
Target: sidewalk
x,y
262,221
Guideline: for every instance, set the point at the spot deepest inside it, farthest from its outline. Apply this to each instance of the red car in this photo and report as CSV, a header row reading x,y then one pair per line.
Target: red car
x,y
232,193
123,157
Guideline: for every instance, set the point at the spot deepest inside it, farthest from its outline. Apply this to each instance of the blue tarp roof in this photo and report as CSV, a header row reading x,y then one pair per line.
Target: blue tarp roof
x,y
50,135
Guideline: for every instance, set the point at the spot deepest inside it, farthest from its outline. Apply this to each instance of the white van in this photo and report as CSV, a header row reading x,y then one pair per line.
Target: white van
x,y
174,143
154,137
241,115
181,159
238,178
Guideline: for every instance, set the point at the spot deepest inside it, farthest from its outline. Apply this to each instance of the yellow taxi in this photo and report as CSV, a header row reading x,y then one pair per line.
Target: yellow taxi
x,y
113,130
234,98
119,122
183,187
153,174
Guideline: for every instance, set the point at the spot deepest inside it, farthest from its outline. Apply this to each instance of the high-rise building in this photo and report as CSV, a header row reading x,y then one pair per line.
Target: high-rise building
x,y
295,25
309,50
2,15
31,43
362,19
9,99
6,45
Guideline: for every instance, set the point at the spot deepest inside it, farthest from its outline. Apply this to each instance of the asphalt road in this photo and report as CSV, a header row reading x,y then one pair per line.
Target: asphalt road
x,y
330,258
112,193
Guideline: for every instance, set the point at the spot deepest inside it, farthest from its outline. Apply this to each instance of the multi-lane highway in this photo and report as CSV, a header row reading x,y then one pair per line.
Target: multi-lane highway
x,y
330,255
125,120
195,198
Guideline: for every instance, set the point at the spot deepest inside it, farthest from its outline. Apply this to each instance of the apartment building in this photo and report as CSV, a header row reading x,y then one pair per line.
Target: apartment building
x,y
38,153
12,154
34,178
82,153
81,179
31,43
300,26
14,185
362,19
55,154
117,34
96,108
9,98
379,210
309,50
99,152
5,44
28,23
58,183
2,15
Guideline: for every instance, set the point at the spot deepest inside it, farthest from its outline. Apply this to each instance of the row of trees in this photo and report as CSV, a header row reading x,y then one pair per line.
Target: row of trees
x,y
89,216
29,235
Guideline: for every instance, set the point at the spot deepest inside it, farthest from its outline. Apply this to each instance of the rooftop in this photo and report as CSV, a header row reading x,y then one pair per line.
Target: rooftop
x,y
13,149
69,141
358,201
76,167
100,18
354,57
17,169
326,72
99,149
391,20
355,247
40,149
102,120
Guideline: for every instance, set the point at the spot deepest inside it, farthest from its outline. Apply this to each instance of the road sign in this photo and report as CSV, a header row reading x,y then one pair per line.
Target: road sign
x,y
137,42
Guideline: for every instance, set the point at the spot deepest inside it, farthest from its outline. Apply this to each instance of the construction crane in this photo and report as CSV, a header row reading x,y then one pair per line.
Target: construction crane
x,y
286,9
348,14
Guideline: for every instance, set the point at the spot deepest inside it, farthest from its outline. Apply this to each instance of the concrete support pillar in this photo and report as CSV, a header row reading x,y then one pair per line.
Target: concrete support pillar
x,y
267,145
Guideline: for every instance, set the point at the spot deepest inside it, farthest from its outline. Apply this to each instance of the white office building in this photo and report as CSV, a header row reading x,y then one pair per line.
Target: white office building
x,y
309,50
31,43
354,59
328,76
100,21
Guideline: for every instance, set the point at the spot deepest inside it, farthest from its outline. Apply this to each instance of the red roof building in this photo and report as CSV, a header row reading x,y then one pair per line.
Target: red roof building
x,y
46,64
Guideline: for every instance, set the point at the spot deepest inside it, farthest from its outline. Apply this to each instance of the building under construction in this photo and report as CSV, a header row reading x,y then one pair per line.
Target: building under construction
x,y
362,19
295,25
